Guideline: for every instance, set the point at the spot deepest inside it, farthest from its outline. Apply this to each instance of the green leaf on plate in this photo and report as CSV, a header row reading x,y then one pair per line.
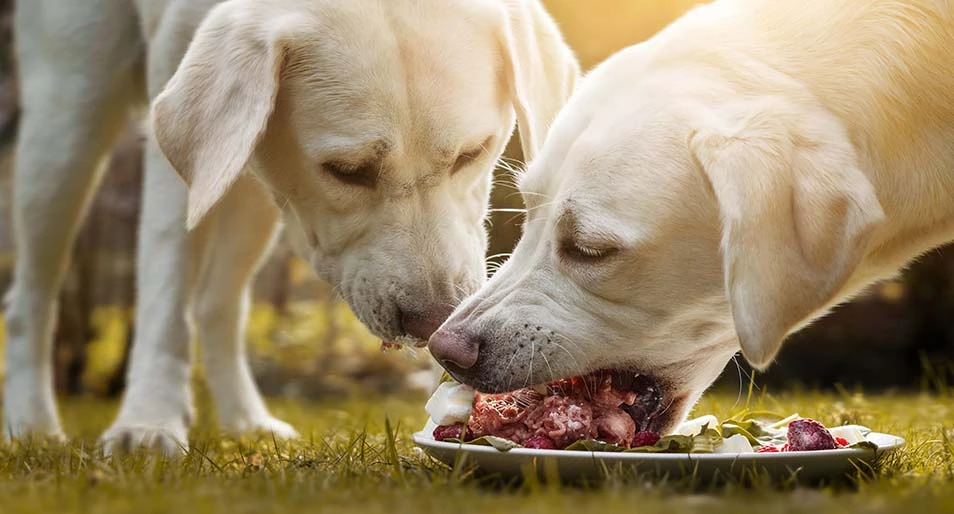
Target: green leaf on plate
x,y
668,444
864,445
488,440
592,445
705,442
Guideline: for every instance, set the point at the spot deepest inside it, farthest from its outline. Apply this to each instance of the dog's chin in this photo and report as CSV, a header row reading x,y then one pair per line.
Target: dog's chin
x,y
386,328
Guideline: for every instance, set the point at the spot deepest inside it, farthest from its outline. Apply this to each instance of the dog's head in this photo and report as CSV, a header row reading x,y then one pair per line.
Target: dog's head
x,y
670,219
375,125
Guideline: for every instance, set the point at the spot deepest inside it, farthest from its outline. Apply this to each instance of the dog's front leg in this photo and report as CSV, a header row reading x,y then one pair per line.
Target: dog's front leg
x,y
240,230
75,87
157,407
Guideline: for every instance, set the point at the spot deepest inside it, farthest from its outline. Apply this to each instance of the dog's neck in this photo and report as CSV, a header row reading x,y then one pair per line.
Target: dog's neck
x,y
887,78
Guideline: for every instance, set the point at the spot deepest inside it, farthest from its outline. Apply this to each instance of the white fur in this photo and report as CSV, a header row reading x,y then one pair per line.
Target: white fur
x,y
717,188
267,94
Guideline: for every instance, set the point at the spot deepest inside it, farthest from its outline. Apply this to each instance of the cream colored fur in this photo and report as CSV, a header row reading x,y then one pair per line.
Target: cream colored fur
x,y
718,187
369,127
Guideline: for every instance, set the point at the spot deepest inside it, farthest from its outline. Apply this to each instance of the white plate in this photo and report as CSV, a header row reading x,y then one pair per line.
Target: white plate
x,y
592,465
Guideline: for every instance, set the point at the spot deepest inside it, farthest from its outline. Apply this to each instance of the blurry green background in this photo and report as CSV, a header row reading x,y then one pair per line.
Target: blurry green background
x,y
305,343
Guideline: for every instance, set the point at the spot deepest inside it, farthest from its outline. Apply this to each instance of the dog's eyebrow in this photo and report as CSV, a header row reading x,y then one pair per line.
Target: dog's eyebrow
x,y
355,152
569,224
567,221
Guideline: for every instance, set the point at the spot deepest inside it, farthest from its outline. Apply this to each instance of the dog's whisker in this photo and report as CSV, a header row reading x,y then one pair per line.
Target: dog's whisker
x,y
542,205
506,180
576,362
511,165
496,255
529,379
462,292
668,405
738,399
547,362
528,193
507,369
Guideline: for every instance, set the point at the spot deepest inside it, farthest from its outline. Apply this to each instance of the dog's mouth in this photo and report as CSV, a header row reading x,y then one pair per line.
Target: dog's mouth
x,y
648,405
639,395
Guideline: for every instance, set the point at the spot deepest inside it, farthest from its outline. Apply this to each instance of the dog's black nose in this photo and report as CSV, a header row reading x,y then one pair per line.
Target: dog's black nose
x,y
451,347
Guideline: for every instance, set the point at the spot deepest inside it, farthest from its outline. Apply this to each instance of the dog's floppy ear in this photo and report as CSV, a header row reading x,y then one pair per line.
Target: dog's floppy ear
x,y
542,70
797,216
215,108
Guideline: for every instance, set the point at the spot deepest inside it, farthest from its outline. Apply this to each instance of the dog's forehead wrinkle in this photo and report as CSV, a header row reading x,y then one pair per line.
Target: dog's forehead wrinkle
x,y
419,90
397,187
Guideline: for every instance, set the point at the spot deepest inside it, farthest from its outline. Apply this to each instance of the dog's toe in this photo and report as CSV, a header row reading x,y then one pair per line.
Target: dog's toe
x,y
267,425
123,438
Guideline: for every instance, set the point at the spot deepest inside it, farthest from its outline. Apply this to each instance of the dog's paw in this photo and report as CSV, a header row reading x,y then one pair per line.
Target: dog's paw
x,y
23,433
263,425
123,438
34,426
28,413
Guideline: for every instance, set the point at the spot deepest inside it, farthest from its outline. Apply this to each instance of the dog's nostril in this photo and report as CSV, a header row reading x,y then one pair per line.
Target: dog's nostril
x,y
453,348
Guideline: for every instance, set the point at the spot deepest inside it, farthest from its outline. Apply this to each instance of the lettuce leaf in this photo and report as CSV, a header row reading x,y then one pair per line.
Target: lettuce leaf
x,y
864,445
498,443
705,442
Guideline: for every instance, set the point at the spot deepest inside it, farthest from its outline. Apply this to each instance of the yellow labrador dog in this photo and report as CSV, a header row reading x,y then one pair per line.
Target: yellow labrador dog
x,y
370,127
718,187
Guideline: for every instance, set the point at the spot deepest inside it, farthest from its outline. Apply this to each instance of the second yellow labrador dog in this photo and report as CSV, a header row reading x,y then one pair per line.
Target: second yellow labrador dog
x,y
369,127
717,188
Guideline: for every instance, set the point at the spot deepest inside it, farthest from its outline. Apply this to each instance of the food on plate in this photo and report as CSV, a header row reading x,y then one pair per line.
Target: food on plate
x,y
594,407
599,412
810,435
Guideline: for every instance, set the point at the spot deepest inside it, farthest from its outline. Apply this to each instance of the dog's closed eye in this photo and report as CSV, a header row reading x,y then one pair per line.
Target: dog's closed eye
x,y
583,245
364,174
470,155
584,252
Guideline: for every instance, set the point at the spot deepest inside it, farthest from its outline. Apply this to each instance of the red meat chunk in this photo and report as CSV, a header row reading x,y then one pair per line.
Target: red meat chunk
x,y
809,435
445,432
575,409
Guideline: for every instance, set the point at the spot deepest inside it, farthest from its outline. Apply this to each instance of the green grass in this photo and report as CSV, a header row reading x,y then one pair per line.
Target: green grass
x,y
346,463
